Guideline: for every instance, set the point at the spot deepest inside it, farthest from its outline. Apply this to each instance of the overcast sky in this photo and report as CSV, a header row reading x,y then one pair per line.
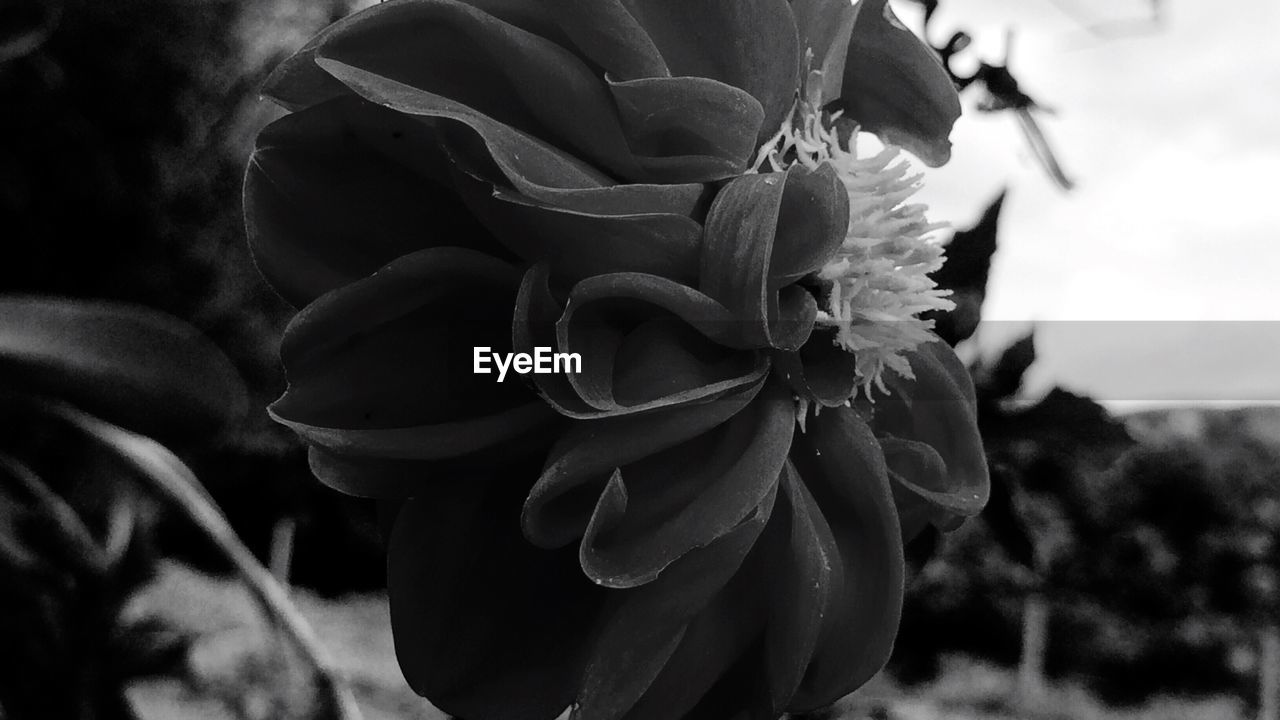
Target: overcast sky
x,y
1173,136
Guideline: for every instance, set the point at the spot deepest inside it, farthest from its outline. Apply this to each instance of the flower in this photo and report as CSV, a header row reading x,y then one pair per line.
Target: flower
x,y
654,536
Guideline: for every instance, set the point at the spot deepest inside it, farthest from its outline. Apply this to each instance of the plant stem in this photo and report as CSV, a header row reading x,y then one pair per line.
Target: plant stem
x,y
1035,640
1269,673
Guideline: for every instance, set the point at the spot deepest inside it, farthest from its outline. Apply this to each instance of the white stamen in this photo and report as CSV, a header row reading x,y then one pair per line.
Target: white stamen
x,y
879,278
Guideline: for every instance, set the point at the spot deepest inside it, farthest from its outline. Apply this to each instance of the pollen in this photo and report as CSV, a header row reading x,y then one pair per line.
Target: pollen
x,y
877,284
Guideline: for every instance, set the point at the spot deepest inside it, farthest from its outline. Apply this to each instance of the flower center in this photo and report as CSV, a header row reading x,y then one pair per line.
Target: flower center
x,y
878,281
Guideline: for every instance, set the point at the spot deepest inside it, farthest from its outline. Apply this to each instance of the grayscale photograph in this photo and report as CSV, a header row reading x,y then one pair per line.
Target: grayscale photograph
x,y
639,360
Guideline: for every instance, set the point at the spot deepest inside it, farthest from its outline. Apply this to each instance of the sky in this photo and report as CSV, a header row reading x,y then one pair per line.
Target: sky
x,y
1173,138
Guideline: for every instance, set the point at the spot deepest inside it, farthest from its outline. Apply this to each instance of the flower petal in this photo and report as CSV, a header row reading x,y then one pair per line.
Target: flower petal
x,y
390,478
527,162
749,44
895,86
801,557
688,128
533,86
654,511
820,370
825,27
608,34
764,231
382,367
698,310
560,505
841,464
713,672
298,82
452,50
336,191
641,628
938,454
485,625
582,243
638,354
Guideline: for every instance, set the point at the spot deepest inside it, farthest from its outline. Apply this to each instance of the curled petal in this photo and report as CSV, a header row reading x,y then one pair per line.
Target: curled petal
x,y
841,464
391,478
688,128
382,367
895,86
749,44
609,35
298,82
580,243
825,27
764,231
534,325
408,54
820,370
932,440
700,311
801,555
456,52
642,628
561,503
713,673
526,161
656,510
642,347
336,191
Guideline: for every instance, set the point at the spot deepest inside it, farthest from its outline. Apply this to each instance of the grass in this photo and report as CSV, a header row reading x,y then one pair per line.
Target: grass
x,y
239,670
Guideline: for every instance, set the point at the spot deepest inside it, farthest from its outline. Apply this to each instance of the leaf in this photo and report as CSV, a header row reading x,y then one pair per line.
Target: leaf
x,y
170,478
1065,422
61,537
1005,378
965,274
25,26
135,366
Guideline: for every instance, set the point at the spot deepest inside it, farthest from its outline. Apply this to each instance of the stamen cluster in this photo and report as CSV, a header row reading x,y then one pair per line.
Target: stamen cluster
x,y
878,283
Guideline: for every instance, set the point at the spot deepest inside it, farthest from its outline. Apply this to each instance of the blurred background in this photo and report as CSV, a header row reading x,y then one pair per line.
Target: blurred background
x,y
1111,188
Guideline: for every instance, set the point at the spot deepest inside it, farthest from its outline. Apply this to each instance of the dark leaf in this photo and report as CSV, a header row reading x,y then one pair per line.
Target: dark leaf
x,y
1005,377
25,25
132,365
965,273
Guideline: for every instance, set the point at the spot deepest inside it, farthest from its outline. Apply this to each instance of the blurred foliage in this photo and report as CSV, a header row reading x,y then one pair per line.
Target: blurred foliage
x,y
75,532
129,125
1161,558
69,566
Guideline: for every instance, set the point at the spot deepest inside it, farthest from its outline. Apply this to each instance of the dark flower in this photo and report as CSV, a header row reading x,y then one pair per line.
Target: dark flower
x,y
708,520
